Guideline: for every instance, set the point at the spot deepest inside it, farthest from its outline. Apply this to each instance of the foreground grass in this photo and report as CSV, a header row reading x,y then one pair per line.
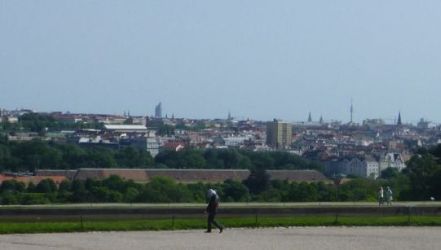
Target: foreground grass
x,y
89,224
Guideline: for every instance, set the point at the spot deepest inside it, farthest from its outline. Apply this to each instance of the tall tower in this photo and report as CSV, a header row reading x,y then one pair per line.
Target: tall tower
x,y
399,119
278,134
158,110
309,117
352,112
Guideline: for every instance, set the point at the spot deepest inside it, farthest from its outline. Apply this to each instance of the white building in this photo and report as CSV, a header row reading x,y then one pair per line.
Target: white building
x,y
235,141
392,160
152,146
126,128
366,168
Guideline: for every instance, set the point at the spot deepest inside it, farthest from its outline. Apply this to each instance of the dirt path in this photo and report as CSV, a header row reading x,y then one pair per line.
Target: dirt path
x,y
319,238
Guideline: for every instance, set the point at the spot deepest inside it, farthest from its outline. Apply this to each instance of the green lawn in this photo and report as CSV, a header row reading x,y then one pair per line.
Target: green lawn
x,y
8,226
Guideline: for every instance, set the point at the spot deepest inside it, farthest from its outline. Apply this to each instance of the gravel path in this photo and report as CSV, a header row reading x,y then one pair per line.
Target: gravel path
x,y
320,238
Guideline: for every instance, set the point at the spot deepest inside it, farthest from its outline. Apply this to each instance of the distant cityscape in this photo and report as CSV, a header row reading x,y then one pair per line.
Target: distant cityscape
x,y
350,148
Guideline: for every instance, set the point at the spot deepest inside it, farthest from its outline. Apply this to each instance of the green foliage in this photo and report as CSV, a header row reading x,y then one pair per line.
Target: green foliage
x,y
12,186
389,173
166,190
34,198
132,158
234,191
180,223
424,175
39,123
37,154
258,181
199,190
162,189
419,181
79,192
358,190
31,188
46,186
166,130
42,123
9,198
232,159
188,158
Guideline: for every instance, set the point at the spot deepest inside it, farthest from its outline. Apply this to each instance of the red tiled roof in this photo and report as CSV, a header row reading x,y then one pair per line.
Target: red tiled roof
x,y
202,175
185,175
297,175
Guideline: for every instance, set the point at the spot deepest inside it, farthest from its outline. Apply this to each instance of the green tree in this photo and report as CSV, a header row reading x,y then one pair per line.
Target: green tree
x,y
9,198
389,173
131,194
131,157
101,158
64,186
31,188
115,183
79,191
420,170
258,181
235,191
162,189
36,122
191,159
46,186
12,186
166,130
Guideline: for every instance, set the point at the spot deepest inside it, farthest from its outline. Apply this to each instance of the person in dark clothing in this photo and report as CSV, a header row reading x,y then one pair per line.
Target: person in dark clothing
x,y
213,203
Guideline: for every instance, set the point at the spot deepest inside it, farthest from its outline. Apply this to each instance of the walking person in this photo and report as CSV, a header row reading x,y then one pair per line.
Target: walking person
x,y
213,203
380,196
389,195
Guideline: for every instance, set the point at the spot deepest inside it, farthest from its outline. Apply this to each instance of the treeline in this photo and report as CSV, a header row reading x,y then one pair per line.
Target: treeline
x,y
421,180
37,154
422,175
232,159
42,123
165,190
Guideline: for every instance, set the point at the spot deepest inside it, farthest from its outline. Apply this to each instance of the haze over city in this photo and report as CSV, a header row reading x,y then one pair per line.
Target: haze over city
x,y
202,59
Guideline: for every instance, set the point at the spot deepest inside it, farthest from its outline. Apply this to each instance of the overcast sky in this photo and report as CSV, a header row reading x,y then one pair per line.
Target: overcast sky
x,y
202,59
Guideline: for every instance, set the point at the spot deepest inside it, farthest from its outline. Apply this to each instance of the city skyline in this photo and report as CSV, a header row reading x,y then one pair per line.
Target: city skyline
x,y
256,59
157,113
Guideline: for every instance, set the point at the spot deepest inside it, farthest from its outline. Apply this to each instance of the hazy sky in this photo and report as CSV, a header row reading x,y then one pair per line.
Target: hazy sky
x,y
201,59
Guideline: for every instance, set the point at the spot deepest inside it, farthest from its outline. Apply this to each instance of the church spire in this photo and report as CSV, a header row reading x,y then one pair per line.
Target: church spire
x,y
399,119
309,117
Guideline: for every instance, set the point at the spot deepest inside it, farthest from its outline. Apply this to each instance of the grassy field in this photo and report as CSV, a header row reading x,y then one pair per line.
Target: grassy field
x,y
8,226
46,220
224,205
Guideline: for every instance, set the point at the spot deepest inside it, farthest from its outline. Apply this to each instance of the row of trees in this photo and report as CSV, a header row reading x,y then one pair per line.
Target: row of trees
x,y
36,154
165,190
233,159
42,123
421,180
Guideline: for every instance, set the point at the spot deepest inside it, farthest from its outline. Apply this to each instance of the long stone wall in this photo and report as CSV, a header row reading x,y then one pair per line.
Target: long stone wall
x,y
196,211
